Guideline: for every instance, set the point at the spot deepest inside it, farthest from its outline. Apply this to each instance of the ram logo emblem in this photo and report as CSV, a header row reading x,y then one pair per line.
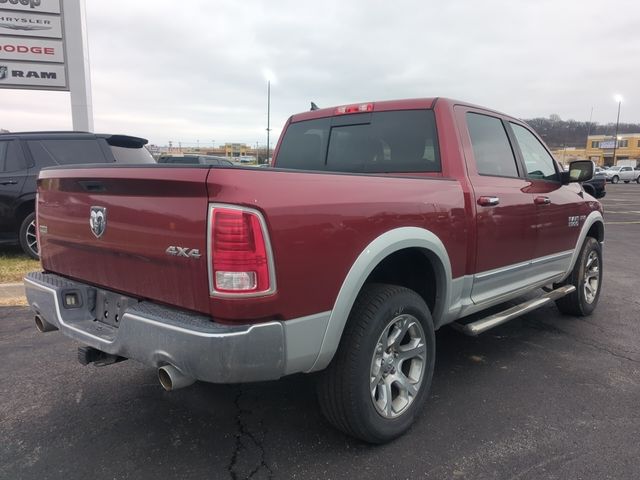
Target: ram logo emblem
x,y
98,221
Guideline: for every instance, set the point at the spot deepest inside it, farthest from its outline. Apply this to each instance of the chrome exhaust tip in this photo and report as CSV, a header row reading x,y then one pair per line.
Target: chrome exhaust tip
x,y
172,379
43,326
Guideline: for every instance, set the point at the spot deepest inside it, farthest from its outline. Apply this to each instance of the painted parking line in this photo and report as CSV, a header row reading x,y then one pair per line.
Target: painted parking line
x,y
623,223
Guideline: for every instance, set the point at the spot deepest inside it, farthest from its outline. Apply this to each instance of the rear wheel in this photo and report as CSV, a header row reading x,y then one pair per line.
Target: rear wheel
x,y
379,379
587,278
638,179
28,237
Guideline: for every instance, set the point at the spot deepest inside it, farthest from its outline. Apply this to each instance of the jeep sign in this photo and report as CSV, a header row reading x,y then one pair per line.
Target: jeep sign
x,y
36,6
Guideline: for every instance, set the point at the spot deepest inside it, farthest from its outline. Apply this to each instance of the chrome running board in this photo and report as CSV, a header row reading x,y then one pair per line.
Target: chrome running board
x,y
479,326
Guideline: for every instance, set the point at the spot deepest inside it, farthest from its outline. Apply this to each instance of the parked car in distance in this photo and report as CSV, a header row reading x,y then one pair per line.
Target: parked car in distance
x,y
596,187
623,173
23,154
378,224
195,160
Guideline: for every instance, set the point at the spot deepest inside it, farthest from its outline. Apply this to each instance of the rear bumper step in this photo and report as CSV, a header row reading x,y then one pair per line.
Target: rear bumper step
x,y
156,335
479,326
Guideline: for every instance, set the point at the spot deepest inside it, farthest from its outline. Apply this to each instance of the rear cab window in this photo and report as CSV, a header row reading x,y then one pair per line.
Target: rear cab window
x,y
491,147
399,141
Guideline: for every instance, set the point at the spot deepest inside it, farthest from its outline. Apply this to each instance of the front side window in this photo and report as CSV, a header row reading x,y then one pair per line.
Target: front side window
x,y
538,162
491,148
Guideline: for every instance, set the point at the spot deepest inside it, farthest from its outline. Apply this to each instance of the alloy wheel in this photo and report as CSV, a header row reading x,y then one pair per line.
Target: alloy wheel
x,y
398,366
32,238
591,277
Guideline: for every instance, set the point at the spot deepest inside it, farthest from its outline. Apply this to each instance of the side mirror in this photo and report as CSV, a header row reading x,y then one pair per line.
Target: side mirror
x,y
579,171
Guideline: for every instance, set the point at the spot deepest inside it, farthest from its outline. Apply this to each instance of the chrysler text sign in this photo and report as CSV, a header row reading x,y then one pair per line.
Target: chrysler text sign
x,y
30,25
37,6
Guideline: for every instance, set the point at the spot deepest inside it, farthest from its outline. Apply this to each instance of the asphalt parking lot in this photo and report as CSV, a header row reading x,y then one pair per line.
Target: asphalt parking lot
x,y
544,396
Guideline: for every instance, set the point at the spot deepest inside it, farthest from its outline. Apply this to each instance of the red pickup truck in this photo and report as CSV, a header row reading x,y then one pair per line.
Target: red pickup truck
x,y
379,223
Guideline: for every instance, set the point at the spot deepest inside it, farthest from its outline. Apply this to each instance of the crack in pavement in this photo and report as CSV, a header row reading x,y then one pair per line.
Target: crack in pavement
x,y
248,442
553,328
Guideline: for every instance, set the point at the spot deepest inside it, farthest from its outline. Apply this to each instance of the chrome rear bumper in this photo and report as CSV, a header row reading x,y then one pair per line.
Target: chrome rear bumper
x,y
156,335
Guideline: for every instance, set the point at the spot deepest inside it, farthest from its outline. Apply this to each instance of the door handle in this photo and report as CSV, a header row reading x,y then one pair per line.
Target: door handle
x,y
542,200
488,201
8,182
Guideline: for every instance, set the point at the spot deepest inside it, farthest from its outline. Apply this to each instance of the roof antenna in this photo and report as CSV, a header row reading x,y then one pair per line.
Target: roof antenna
x,y
314,106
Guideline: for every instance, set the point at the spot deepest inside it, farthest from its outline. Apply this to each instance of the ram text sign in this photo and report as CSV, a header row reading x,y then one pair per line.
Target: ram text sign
x,y
32,74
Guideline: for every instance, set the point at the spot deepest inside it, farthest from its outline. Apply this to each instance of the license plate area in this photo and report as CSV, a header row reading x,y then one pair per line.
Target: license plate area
x,y
110,307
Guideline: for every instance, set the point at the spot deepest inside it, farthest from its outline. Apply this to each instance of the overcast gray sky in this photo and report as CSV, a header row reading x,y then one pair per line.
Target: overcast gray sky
x,y
194,70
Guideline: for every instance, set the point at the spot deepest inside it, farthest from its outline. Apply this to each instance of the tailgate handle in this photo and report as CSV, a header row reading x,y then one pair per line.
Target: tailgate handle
x,y
542,201
92,186
488,201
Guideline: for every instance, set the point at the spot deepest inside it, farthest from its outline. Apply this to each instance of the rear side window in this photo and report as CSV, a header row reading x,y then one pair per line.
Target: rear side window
x,y
491,147
131,155
537,161
65,152
10,157
397,141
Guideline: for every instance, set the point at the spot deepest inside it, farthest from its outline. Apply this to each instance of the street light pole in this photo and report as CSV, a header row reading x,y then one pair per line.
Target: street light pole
x,y
268,117
618,98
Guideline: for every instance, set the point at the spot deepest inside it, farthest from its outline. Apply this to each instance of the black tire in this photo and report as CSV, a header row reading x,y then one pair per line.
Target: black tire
x,y
638,179
344,388
579,302
615,179
28,240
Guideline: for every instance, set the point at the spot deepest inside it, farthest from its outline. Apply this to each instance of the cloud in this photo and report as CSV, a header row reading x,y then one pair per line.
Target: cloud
x,y
188,71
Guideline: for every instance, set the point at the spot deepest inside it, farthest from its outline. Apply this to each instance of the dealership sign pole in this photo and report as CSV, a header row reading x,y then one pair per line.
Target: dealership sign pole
x,y
43,46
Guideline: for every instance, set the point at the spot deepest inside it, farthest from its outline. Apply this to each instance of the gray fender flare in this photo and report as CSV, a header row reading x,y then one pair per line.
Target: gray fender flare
x,y
593,218
380,248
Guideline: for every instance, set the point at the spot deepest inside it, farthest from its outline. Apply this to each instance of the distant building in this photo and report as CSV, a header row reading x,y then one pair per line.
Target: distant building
x,y
600,149
236,149
569,154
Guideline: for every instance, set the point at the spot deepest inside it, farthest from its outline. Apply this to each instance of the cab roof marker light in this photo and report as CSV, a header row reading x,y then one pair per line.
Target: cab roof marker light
x,y
356,108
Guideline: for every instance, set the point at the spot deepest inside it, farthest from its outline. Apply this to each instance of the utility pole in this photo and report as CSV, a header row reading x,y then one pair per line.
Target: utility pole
x,y
615,140
268,116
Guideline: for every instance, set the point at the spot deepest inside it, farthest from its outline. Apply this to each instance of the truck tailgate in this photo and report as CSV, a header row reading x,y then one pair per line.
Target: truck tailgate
x,y
146,211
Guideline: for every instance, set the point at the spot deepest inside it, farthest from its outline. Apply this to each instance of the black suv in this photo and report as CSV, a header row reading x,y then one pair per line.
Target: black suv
x,y
22,155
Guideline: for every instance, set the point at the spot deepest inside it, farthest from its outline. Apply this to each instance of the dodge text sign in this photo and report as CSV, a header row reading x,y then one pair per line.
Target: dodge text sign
x,y
31,49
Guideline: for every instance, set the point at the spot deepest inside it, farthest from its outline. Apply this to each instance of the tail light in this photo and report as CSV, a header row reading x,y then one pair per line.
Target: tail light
x,y
240,258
